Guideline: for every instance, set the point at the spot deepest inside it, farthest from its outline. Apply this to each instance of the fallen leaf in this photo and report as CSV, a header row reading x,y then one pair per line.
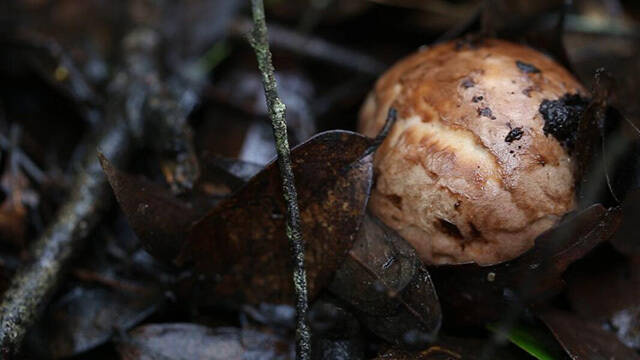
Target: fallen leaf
x,y
336,332
606,290
178,341
626,240
475,294
583,340
159,218
243,239
388,287
607,148
456,348
232,173
87,316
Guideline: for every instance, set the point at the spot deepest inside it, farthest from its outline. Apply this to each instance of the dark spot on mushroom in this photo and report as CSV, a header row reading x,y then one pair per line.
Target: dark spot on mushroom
x,y
527,91
527,68
457,204
467,83
514,134
449,228
475,99
474,231
562,116
395,200
486,112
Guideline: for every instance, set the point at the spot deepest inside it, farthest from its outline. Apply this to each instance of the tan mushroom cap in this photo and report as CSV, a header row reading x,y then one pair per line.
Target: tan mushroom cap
x,y
446,178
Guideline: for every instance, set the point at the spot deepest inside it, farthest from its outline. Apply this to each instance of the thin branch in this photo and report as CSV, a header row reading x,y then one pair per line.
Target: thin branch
x,y
26,163
316,48
260,43
35,282
57,67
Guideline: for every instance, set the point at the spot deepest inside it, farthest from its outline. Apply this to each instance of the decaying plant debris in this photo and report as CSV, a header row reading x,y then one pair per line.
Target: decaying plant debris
x,y
213,248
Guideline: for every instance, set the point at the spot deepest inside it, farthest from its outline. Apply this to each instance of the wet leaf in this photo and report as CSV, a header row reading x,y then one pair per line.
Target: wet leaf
x,y
159,218
457,348
179,341
475,294
243,90
243,239
618,54
626,240
230,172
607,148
336,333
279,315
87,316
584,340
388,287
606,290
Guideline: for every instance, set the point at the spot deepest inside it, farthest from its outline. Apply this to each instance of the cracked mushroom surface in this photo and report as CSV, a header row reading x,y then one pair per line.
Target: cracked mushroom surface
x,y
469,173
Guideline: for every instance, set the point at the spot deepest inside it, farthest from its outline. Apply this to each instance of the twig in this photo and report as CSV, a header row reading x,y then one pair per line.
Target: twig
x,y
27,164
260,43
316,48
34,283
58,68
137,102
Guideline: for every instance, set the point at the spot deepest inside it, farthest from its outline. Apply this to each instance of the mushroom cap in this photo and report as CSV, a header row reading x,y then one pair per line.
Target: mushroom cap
x,y
467,173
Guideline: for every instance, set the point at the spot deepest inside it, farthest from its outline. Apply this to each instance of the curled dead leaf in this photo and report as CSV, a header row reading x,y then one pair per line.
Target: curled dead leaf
x,y
474,294
388,287
159,218
584,340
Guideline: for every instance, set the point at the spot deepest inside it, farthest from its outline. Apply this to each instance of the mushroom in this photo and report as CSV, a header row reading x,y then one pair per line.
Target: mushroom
x,y
478,163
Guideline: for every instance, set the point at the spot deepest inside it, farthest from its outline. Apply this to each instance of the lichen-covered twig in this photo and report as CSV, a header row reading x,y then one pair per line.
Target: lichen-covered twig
x,y
34,282
142,107
260,43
